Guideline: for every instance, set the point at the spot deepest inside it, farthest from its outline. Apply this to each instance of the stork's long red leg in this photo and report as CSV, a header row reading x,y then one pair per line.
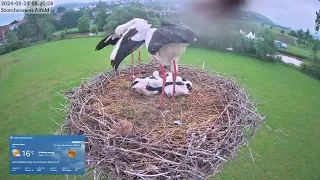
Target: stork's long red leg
x,y
174,79
139,67
132,67
164,79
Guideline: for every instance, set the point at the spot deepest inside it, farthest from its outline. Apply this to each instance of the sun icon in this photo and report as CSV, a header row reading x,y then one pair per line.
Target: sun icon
x,y
16,152
71,153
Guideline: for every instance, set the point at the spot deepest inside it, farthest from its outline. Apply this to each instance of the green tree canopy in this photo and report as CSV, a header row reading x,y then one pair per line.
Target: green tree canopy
x,y
39,24
300,34
70,19
84,24
282,31
11,36
94,29
292,33
317,20
100,19
264,44
61,9
125,14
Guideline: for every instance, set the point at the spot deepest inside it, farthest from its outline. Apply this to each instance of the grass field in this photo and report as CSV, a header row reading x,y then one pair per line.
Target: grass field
x,y
298,52
72,30
291,103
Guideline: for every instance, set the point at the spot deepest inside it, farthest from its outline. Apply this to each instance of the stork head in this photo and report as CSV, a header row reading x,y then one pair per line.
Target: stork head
x,y
120,30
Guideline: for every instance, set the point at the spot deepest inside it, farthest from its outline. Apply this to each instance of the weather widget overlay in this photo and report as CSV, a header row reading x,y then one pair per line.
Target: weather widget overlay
x,y
47,154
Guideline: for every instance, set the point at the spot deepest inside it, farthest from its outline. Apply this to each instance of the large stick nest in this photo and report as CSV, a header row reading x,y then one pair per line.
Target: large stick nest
x,y
128,138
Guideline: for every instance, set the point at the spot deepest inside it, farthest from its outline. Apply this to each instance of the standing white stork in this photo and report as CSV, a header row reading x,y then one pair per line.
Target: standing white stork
x,y
132,40
166,43
113,38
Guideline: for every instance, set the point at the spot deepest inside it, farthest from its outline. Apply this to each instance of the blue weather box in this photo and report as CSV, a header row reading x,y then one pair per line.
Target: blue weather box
x,y
47,154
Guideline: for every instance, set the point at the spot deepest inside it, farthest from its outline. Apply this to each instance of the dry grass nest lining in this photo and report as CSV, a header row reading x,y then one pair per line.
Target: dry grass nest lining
x,y
128,138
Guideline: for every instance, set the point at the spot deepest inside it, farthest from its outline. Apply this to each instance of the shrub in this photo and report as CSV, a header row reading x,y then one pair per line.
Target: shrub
x,y
312,68
282,31
264,45
62,35
49,38
8,47
292,33
94,29
83,24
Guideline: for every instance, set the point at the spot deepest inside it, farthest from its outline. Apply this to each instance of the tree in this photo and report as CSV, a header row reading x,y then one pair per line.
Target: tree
x,y
264,45
317,21
292,33
94,29
11,36
61,9
69,19
282,31
25,31
83,24
300,34
90,13
56,25
315,47
39,24
100,19
307,35
123,15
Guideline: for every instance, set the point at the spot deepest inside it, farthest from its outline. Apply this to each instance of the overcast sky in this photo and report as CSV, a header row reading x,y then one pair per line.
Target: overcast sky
x,y
292,13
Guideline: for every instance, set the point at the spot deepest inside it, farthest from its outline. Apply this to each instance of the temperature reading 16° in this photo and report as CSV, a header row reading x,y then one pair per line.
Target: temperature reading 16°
x,y
27,153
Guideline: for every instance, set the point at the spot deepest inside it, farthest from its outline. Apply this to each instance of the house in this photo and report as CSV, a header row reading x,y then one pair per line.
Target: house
x,y
251,35
77,8
91,6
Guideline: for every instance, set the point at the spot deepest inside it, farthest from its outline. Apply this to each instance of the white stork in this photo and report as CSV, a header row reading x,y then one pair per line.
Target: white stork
x,y
182,86
166,43
131,40
148,86
113,38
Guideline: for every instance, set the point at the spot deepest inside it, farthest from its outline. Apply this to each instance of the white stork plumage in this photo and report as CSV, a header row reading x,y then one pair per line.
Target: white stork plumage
x,y
114,38
166,43
132,40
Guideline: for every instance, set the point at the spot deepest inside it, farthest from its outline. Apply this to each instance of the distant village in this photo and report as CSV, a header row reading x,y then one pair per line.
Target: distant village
x,y
150,6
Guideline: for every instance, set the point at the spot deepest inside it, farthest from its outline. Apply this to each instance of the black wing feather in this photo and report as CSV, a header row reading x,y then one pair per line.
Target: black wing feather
x,y
126,47
111,41
150,88
170,34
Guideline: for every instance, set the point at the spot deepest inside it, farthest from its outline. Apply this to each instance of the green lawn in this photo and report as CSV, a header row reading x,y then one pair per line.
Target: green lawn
x,y
297,51
291,102
71,30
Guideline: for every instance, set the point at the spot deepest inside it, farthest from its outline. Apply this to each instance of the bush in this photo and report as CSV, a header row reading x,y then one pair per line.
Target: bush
x,y
312,68
8,47
49,38
264,45
292,33
62,35
282,31
83,24
94,29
